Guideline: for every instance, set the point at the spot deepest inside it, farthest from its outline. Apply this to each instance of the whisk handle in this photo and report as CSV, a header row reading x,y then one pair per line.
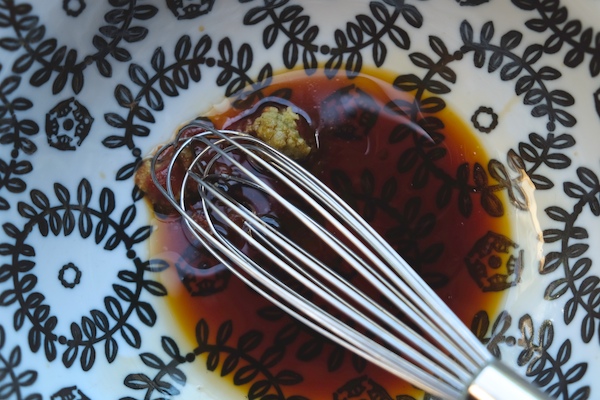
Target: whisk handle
x,y
498,382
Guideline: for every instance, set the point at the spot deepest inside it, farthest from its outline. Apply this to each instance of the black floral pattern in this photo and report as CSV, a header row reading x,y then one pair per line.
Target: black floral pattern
x,y
168,81
190,9
570,258
145,82
554,18
74,7
15,383
48,57
484,119
553,373
68,124
100,326
232,359
69,275
14,133
366,32
532,82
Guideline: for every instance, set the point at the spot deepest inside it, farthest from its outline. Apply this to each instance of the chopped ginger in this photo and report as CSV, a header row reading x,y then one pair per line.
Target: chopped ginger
x,y
278,129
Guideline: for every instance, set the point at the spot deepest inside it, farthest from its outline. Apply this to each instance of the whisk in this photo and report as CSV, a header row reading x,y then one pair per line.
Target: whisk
x,y
414,335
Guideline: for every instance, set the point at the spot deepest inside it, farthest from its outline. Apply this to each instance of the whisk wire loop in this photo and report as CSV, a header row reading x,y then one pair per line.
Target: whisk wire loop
x,y
319,278
394,266
443,363
396,273
329,325
314,191
282,171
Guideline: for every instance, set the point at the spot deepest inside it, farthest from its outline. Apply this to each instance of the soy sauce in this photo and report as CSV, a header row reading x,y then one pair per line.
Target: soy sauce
x,y
372,145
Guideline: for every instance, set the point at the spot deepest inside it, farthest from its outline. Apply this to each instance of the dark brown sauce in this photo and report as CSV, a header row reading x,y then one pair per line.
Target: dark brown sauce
x,y
354,126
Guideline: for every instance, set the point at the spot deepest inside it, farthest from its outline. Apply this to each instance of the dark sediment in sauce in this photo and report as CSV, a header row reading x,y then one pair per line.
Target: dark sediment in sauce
x,y
372,156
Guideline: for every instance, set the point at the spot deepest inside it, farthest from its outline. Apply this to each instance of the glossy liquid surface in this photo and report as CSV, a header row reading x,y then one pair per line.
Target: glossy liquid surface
x,y
403,168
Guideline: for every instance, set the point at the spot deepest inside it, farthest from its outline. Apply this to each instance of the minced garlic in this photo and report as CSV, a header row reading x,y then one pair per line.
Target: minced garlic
x,y
278,128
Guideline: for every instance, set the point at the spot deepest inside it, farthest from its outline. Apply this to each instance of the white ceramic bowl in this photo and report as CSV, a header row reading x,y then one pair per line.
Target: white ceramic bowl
x,y
87,88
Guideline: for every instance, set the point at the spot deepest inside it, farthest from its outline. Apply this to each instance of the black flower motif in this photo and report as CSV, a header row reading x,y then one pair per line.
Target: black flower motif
x,y
485,119
73,7
69,276
200,275
69,393
363,387
494,263
189,9
68,124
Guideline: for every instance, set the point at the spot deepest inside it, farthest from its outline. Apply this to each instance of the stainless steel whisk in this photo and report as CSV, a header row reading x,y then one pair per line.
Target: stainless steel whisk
x,y
434,351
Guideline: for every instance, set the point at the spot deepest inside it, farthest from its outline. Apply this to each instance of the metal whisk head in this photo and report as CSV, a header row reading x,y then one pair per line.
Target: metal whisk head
x,y
414,335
